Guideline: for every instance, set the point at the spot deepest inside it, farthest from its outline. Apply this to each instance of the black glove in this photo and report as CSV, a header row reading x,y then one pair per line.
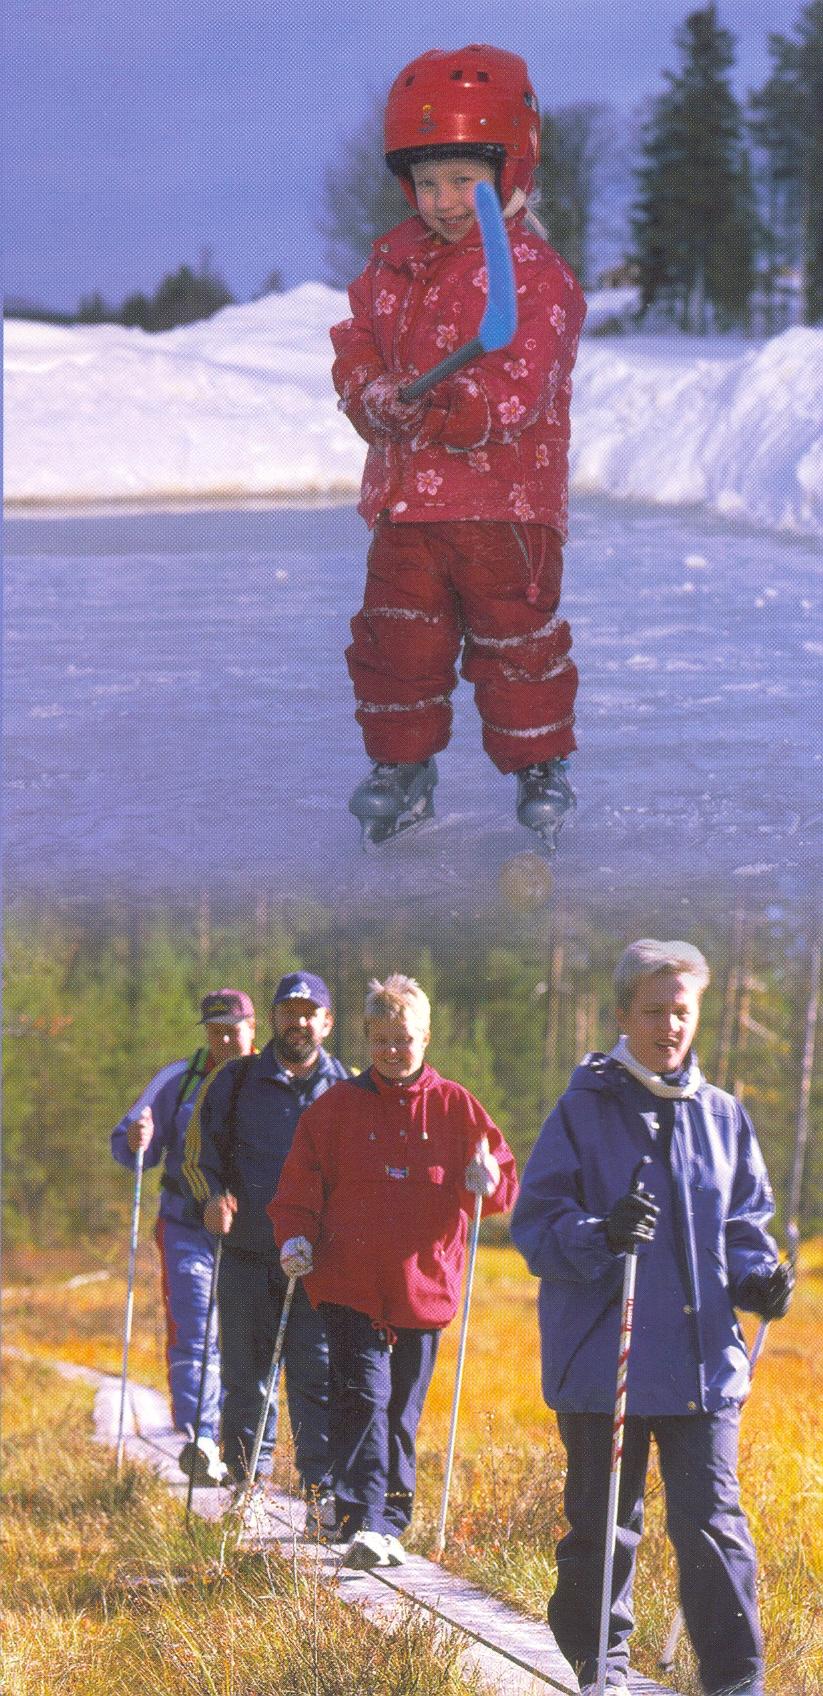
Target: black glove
x,y
767,1293
632,1220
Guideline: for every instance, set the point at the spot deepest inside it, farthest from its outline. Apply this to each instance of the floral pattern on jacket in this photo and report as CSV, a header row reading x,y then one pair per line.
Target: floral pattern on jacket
x,y
493,443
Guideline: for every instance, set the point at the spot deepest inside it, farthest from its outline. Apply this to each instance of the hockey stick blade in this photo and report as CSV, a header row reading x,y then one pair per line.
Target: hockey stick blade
x,y
499,321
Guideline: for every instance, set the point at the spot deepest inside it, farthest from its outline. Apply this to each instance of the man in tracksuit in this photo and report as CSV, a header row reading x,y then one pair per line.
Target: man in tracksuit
x,y
157,1123
236,1144
699,1227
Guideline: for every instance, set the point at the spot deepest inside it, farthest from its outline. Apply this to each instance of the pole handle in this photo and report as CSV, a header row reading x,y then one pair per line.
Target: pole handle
x,y
637,1187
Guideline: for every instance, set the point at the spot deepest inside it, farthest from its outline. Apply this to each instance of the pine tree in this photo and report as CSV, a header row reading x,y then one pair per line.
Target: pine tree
x,y
788,125
694,222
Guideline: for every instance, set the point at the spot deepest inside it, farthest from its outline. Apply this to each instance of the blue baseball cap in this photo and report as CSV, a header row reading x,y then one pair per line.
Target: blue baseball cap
x,y
302,986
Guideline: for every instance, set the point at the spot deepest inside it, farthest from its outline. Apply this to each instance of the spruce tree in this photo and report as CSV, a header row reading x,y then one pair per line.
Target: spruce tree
x,y
788,125
693,221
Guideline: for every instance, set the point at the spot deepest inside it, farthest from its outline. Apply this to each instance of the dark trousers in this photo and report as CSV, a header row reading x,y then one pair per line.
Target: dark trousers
x,y
251,1291
377,1396
707,1527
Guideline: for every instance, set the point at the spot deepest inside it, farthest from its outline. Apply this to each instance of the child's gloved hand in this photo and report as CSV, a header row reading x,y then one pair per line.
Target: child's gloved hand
x,y
482,1175
384,408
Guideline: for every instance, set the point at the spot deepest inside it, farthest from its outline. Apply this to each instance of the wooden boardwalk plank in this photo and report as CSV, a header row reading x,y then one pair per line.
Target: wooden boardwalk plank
x,y
515,1655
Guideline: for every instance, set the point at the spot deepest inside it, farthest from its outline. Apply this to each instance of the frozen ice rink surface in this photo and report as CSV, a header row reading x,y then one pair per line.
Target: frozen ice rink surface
x,y
178,712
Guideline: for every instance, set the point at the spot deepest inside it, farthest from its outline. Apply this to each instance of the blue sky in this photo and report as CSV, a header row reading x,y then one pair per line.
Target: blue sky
x,y
138,133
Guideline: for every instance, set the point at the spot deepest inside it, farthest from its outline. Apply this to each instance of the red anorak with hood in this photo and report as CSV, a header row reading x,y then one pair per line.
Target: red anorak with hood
x,y
374,1180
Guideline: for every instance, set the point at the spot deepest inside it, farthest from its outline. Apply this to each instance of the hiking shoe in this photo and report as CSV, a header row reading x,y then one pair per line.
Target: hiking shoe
x,y
395,1552
614,1687
321,1517
366,1550
201,1462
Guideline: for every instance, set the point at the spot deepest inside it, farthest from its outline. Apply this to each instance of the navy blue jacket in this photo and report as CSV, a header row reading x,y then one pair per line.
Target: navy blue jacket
x,y
687,1351
171,1096
247,1157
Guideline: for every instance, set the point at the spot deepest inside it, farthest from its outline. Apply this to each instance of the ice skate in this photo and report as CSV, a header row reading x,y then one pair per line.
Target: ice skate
x,y
393,798
544,796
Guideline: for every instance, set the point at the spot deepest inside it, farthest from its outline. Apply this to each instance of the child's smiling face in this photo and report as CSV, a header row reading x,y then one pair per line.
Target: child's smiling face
x,y
445,193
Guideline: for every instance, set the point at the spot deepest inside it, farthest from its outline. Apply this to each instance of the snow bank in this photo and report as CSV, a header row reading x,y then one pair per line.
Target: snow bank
x,y
242,406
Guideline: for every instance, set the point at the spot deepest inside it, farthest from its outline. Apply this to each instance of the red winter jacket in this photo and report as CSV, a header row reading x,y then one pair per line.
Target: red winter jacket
x,y
374,1180
495,437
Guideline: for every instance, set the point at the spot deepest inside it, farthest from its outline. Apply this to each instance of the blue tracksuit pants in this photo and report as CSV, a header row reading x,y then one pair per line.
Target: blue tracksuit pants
x,y
377,1395
251,1291
707,1527
186,1261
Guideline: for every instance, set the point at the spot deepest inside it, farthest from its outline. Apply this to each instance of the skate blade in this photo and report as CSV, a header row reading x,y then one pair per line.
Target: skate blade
x,y
375,833
546,836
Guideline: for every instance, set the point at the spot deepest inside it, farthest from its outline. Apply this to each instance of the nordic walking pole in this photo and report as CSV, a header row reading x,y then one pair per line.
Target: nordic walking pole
x,y
215,1273
802,1136
618,1427
268,1393
135,1225
458,1377
793,1221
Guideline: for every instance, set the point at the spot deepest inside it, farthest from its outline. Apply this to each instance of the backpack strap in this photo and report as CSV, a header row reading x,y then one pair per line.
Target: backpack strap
x,y
240,1068
192,1078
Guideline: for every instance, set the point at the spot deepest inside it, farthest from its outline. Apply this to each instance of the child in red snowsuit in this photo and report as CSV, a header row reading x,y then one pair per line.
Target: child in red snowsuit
x,y
466,489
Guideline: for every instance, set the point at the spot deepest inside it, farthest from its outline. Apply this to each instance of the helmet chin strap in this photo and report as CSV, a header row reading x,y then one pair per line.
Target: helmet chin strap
x,y
516,204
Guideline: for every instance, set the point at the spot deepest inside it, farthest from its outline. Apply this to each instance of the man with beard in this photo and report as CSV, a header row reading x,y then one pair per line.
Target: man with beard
x,y
236,1144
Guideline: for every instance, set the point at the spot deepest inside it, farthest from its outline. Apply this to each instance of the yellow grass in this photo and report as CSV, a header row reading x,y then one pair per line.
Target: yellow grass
x,y
506,1502
104,1593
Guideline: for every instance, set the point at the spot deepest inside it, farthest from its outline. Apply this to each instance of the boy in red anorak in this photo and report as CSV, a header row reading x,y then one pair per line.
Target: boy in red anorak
x,y
465,489
371,1209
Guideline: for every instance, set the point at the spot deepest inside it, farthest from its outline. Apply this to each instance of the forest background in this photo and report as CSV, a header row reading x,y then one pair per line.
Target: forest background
x,y
96,1003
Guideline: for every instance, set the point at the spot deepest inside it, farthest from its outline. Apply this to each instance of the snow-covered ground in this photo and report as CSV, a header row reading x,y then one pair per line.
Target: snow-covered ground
x,y
242,407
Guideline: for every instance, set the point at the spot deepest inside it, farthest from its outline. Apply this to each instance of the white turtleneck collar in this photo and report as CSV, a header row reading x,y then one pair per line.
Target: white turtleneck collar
x,y
691,1080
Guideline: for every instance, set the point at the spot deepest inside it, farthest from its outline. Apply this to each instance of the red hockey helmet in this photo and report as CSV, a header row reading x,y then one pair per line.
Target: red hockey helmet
x,y
476,100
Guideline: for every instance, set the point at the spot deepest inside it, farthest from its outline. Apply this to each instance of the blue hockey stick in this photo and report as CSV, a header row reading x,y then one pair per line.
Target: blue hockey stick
x,y
499,321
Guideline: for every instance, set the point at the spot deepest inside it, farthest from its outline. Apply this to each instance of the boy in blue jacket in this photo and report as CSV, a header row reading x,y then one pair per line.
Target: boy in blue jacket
x,y
703,1250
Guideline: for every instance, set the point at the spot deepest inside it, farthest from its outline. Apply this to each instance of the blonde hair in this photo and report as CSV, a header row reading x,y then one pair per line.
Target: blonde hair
x,y
645,958
398,996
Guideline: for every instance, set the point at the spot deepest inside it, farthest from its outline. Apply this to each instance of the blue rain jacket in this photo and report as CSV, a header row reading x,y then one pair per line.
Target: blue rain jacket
x,y
171,1095
687,1351
246,1157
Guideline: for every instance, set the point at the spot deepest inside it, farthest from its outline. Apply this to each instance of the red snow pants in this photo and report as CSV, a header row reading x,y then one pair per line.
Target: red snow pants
x,y
495,587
